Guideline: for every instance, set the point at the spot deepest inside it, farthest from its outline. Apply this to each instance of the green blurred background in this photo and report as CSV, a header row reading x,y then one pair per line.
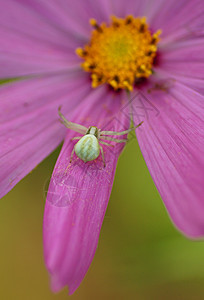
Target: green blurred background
x,y
140,254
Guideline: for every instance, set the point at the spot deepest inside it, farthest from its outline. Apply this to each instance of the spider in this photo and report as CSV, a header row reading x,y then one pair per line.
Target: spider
x,y
88,147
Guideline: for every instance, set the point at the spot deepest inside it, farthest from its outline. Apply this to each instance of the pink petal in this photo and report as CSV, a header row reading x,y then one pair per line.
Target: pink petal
x,y
190,69
29,125
197,84
44,41
183,61
177,19
184,51
139,8
172,142
78,196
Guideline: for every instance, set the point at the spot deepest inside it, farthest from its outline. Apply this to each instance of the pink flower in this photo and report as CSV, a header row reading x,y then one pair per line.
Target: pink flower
x,y
38,43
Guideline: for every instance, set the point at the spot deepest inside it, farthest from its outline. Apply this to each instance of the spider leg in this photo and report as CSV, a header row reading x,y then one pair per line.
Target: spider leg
x,y
104,143
71,156
121,132
73,126
76,138
108,138
102,153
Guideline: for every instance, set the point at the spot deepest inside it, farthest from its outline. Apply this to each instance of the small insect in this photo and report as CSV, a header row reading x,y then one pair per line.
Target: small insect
x,y
88,147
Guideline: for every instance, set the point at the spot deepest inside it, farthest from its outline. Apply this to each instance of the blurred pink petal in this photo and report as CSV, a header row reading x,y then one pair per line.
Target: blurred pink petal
x,y
41,44
78,196
190,69
29,125
177,19
183,62
187,50
172,142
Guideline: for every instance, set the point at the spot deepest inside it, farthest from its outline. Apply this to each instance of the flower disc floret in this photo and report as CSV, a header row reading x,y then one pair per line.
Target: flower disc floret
x,y
121,53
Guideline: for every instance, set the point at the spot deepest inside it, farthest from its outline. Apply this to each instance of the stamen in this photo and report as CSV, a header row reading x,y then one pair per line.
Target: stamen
x,y
121,53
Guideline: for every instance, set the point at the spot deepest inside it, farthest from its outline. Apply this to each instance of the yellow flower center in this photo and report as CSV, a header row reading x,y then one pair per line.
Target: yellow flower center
x,y
120,53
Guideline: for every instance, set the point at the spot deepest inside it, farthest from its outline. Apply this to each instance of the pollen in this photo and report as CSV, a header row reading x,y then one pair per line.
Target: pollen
x,y
121,53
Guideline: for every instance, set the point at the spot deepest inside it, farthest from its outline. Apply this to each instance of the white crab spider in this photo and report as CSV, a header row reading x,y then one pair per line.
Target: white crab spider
x,y
88,148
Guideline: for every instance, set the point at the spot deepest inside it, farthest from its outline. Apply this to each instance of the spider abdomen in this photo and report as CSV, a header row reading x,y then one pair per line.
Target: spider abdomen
x,y
87,148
